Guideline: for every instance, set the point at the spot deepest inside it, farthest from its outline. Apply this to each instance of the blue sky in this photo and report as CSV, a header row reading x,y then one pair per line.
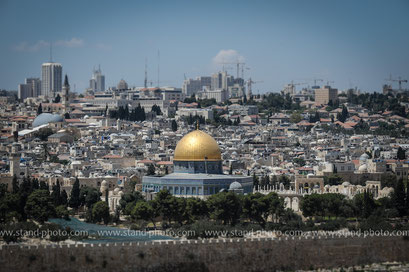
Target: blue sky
x,y
353,43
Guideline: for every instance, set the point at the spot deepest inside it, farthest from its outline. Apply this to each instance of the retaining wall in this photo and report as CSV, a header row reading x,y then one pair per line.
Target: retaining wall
x,y
225,255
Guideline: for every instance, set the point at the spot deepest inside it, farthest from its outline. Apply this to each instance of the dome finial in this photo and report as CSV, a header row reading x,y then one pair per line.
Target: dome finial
x,y
197,124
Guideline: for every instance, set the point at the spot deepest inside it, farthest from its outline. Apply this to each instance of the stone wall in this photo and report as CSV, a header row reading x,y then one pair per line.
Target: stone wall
x,y
225,255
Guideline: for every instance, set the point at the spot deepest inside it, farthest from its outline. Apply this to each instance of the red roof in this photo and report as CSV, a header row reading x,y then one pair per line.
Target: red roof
x,y
146,161
165,163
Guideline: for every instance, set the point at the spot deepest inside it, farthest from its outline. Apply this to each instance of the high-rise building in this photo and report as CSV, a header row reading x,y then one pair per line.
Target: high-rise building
x,y
326,94
217,80
32,88
51,79
193,86
221,80
35,86
97,82
24,91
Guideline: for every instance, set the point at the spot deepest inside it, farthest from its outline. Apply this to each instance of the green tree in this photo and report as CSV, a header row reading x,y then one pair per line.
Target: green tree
x,y
299,161
401,154
100,212
225,207
56,194
44,186
57,99
74,201
388,180
15,185
174,125
196,209
62,212
39,109
165,204
144,211
399,197
256,207
89,196
64,198
128,201
39,206
156,109
295,117
151,170
35,184
10,207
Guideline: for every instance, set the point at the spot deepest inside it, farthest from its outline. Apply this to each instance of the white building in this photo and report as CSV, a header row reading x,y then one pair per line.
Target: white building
x,y
206,113
97,82
220,95
51,79
35,86
192,86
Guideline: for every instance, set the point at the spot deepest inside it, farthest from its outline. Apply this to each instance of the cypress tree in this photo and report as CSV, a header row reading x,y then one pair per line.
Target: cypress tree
x,y
64,197
407,198
56,194
40,109
399,197
35,185
401,154
74,201
44,186
174,125
15,186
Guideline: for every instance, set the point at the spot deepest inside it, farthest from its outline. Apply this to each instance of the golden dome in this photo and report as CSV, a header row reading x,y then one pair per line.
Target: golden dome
x,y
196,146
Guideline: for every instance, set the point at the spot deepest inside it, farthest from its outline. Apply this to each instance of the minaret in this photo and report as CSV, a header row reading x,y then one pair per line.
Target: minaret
x,y
66,95
15,160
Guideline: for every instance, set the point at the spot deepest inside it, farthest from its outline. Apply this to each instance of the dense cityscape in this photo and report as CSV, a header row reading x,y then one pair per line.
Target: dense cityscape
x,y
221,172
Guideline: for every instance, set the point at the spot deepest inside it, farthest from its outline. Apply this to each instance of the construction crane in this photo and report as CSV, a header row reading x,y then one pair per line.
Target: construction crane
x,y
238,63
249,84
145,82
291,87
399,80
317,79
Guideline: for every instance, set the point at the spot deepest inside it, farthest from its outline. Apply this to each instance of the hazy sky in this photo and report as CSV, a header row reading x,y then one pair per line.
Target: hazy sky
x,y
353,43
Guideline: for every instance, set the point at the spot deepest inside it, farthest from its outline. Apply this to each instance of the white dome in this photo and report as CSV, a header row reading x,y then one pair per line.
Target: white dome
x,y
364,157
235,186
363,168
346,183
45,118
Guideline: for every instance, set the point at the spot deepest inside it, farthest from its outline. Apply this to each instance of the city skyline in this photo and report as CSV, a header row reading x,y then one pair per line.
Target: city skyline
x,y
353,44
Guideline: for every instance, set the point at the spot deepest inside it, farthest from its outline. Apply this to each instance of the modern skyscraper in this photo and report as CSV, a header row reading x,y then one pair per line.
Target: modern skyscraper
x,y
32,88
51,76
24,91
97,82
35,86
221,80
